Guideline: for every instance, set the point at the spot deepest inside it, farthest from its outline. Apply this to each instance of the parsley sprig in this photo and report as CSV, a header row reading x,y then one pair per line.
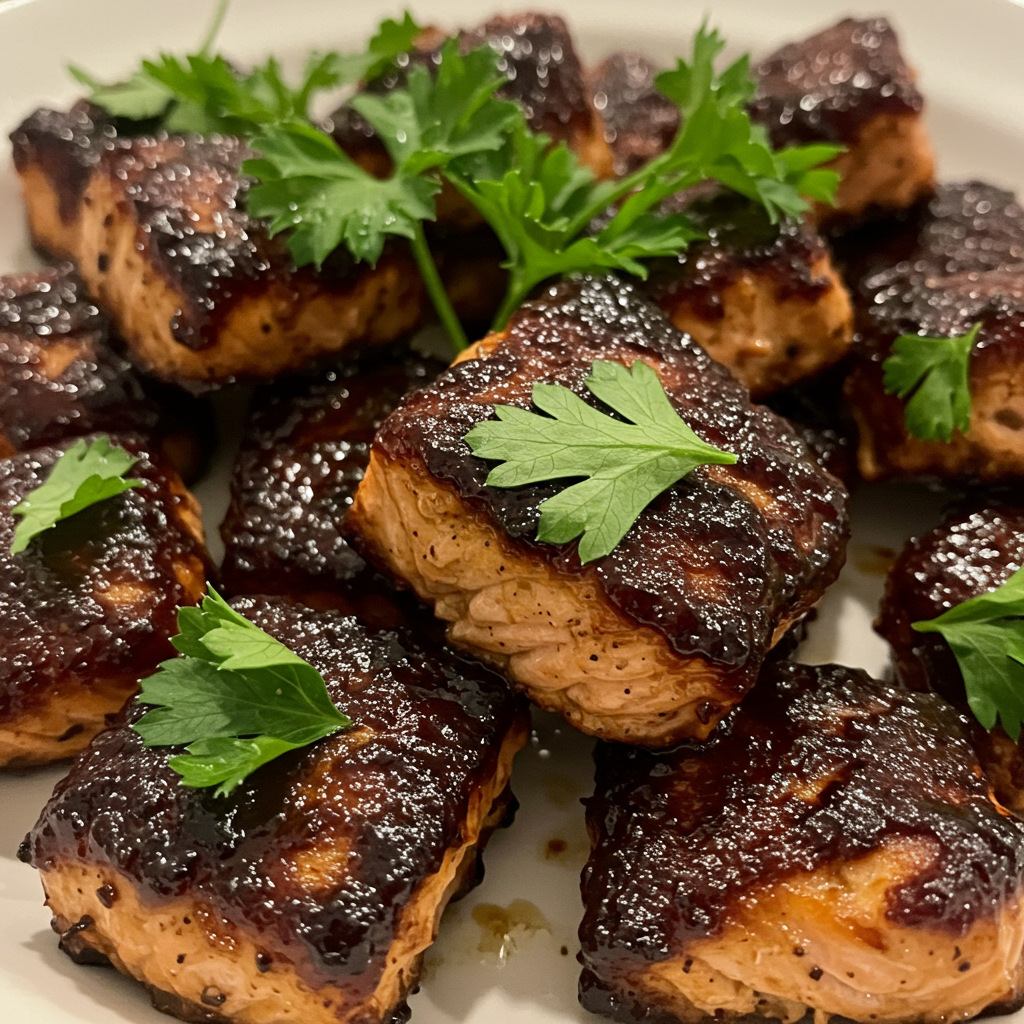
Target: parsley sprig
x,y
449,125
306,183
625,462
544,203
88,472
236,696
204,92
539,200
986,635
934,372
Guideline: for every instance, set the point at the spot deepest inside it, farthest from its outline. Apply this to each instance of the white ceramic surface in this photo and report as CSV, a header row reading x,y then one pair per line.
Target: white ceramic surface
x,y
968,56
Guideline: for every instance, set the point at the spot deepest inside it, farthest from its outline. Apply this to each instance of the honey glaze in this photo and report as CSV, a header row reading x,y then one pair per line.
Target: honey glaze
x,y
761,558
318,852
95,597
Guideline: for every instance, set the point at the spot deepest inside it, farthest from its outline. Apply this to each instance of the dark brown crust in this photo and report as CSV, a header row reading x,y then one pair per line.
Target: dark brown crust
x,y
546,76
213,266
639,122
966,227
66,146
826,87
816,410
59,377
740,238
681,838
977,547
956,261
789,264
546,79
209,268
92,602
390,794
305,450
768,562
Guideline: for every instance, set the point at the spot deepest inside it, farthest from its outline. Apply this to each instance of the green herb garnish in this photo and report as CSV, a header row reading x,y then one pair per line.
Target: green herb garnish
x,y
986,635
542,203
204,92
448,125
934,372
237,697
309,185
87,473
626,465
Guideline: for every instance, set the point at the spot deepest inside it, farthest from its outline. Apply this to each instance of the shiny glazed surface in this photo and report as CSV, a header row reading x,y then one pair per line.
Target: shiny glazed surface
x,y
712,568
305,450
978,546
58,374
740,239
319,851
212,262
95,597
804,92
818,767
955,261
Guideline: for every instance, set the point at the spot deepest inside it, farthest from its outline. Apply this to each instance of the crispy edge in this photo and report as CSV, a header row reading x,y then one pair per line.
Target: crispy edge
x,y
185,948
259,336
554,634
824,940
75,713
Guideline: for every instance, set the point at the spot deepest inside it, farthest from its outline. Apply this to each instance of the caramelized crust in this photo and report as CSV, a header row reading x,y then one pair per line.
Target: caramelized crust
x,y
199,291
847,84
58,375
835,850
850,85
761,298
61,376
311,891
709,577
977,548
546,79
957,261
639,122
305,450
816,410
86,610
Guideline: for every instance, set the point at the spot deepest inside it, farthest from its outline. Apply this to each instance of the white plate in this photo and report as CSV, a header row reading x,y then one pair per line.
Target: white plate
x,y
968,57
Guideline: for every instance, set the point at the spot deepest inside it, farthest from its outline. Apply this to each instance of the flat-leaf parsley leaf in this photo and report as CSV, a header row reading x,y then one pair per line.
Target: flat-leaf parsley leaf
x,y
87,473
237,697
625,465
986,635
934,372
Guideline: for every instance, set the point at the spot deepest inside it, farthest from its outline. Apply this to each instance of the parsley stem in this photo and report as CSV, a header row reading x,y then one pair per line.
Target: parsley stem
x,y
435,289
515,296
214,30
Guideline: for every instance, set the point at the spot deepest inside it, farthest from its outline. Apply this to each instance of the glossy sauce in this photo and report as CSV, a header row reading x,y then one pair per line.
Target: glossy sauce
x,y
304,453
763,560
826,87
57,633
44,315
740,240
170,185
682,836
393,791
